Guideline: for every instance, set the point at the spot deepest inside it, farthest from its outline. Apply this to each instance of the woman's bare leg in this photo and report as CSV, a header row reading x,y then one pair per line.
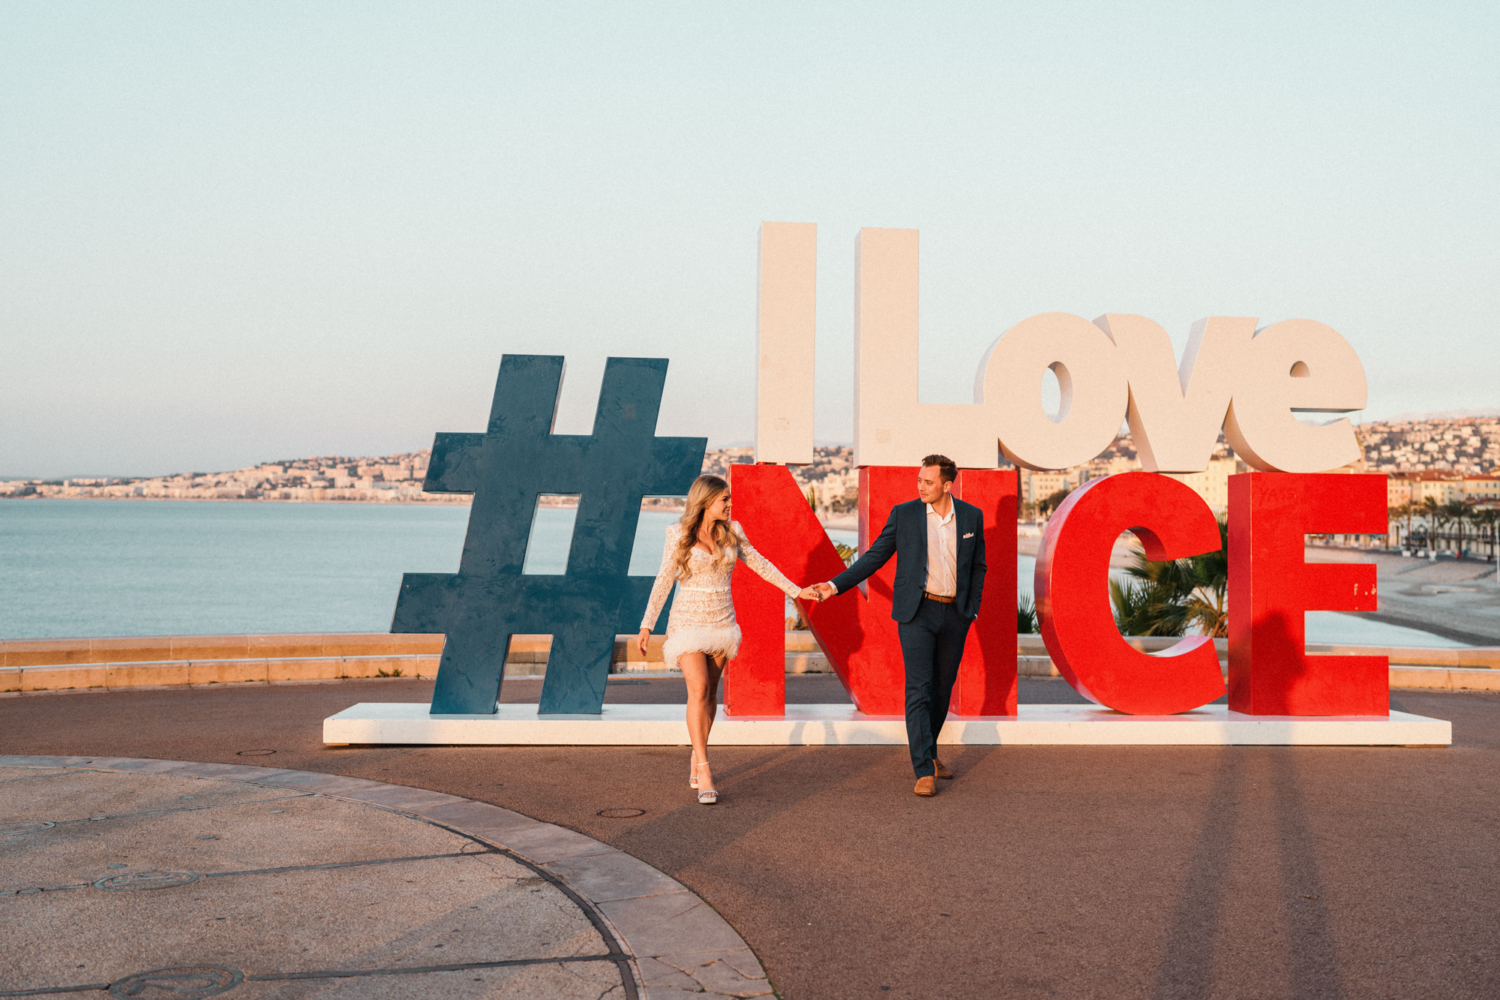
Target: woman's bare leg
x,y
702,673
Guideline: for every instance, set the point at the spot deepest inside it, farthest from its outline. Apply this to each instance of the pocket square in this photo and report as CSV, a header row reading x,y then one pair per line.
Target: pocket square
x,y
969,535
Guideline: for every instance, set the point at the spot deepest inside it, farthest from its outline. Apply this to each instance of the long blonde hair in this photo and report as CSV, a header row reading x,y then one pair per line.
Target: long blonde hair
x,y
704,491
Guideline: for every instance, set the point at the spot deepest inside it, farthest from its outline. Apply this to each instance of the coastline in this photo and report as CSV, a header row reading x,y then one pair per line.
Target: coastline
x,y
1457,600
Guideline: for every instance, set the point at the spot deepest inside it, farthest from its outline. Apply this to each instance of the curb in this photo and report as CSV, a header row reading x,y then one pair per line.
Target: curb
x,y
676,943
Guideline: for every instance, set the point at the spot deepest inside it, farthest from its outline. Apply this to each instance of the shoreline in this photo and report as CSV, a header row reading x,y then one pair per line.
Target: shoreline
x,y
1455,600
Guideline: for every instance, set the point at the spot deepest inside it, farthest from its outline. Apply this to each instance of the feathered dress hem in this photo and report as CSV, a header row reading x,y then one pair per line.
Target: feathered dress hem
x,y
700,639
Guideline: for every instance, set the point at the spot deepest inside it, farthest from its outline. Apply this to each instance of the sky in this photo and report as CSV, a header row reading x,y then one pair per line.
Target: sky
x,y
237,232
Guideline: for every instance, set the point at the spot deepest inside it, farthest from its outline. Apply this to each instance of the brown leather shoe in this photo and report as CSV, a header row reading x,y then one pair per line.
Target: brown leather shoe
x,y
926,786
942,772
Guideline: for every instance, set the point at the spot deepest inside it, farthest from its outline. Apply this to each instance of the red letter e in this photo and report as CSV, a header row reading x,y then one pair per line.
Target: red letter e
x,y
1270,586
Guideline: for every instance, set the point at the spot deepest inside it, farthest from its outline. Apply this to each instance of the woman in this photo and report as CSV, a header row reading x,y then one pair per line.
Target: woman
x,y
702,635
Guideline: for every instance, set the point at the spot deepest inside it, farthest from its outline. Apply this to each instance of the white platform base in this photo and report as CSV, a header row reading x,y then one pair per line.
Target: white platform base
x,y
841,725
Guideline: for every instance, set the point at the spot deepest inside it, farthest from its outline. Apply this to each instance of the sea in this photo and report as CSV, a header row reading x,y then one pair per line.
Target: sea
x,y
95,568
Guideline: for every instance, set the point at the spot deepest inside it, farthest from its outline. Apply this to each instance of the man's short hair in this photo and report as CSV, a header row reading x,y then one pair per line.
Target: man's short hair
x,y
947,471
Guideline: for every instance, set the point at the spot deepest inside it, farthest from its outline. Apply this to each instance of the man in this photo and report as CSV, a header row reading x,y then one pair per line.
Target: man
x,y
938,542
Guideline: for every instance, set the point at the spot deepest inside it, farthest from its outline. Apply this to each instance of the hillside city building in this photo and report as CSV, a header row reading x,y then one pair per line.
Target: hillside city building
x,y
1427,462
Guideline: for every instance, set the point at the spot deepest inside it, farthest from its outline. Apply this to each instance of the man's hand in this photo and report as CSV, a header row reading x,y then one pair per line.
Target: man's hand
x,y
824,591
640,642
809,594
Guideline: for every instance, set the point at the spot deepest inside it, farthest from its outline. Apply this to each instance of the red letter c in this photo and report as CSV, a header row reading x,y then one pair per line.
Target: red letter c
x,y
1072,594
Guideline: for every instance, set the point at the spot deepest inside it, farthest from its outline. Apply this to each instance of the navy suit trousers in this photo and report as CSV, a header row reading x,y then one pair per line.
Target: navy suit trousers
x,y
932,645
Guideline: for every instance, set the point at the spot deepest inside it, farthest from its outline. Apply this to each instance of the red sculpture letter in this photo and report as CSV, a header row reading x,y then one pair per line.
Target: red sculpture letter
x,y
1072,594
781,525
1270,586
987,676
855,631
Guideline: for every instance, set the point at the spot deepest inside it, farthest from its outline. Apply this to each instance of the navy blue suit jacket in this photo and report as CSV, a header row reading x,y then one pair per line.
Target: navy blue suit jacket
x,y
905,537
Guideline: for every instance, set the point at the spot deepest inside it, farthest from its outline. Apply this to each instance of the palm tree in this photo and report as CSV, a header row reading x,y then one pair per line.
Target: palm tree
x,y
1400,512
1489,518
1053,501
1483,518
1433,511
1208,603
1026,622
1457,512
1168,598
1148,607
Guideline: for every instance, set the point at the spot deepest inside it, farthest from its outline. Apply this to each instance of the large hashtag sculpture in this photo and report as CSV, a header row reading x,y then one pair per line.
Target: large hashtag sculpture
x,y
488,600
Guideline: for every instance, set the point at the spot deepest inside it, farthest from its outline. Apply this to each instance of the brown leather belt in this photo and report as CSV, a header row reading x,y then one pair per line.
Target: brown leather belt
x,y
937,597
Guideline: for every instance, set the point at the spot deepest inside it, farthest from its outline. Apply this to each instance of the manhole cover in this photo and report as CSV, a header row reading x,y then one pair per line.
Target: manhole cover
x,y
16,829
146,880
254,753
623,813
185,982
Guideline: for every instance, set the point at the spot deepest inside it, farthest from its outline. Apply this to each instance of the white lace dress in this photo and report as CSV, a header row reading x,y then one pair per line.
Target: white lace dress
x,y
702,619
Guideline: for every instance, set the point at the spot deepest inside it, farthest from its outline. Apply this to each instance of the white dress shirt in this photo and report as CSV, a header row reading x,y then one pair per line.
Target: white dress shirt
x,y
942,553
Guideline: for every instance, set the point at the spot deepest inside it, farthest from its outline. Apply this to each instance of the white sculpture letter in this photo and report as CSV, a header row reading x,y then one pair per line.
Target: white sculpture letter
x,y
1089,373
1295,366
1251,383
785,335
1175,412
890,426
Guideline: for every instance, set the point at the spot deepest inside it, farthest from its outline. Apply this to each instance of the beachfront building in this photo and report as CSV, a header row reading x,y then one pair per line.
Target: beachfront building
x,y
1416,488
1482,489
1397,490
1212,484
1038,486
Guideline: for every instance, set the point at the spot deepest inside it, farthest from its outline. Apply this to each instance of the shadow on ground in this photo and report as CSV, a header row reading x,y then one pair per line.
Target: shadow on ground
x,y
1109,872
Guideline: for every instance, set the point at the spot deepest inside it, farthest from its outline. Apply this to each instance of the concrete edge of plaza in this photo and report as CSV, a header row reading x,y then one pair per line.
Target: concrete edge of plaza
x,y
660,927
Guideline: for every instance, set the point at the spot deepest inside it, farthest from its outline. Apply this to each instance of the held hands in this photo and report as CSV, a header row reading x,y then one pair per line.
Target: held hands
x,y
642,639
817,592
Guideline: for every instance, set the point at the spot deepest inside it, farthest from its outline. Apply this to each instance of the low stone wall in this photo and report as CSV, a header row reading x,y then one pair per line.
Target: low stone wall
x,y
1446,678
164,649
109,676
109,664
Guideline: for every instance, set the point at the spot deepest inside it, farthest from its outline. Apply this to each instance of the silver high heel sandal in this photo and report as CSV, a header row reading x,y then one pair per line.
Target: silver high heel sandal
x,y
709,797
692,770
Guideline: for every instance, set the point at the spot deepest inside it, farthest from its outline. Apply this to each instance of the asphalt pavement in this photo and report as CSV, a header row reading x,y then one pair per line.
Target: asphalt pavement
x,y
1109,872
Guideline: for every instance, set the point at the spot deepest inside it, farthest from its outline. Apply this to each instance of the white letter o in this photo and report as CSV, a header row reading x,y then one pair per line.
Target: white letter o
x,y
1093,382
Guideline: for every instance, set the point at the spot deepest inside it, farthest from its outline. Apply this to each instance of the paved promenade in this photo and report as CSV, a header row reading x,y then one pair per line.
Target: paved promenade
x,y
158,883
1186,872
156,879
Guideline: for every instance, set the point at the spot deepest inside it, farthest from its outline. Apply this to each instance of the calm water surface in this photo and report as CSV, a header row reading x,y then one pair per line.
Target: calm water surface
x,y
98,567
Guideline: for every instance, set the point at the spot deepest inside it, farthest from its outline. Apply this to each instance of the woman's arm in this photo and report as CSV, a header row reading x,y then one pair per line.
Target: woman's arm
x,y
762,566
665,577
